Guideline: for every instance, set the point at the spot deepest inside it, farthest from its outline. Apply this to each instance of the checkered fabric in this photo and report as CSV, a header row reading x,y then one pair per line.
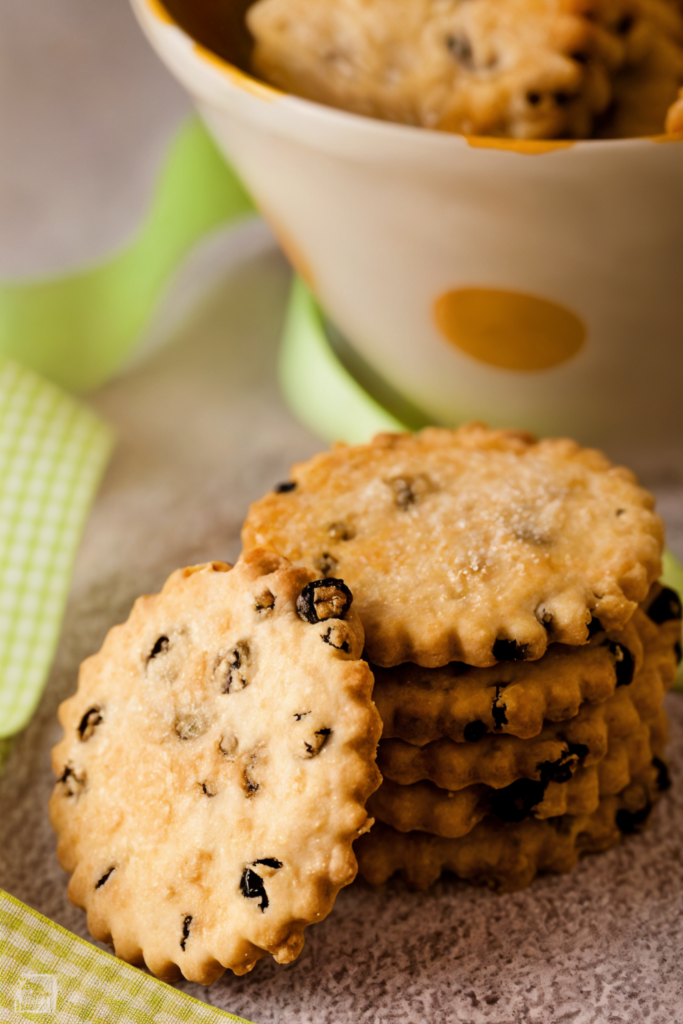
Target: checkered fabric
x,y
46,973
52,452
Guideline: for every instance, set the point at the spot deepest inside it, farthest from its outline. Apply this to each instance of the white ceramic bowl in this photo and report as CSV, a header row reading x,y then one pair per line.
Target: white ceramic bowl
x,y
526,284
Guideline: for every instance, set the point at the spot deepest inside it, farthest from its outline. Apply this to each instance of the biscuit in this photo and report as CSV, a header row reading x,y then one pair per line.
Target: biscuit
x,y
507,856
552,756
421,705
427,808
214,769
519,68
471,545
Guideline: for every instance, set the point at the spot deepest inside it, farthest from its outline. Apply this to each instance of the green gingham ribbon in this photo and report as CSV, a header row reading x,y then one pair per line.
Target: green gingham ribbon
x,y
47,973
52,452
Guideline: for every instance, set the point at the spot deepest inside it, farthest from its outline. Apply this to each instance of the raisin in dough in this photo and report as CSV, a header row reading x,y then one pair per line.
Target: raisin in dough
x,y
471,545
215,766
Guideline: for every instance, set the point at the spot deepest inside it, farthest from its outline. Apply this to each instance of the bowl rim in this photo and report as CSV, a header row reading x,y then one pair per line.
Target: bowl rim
x,y
249,83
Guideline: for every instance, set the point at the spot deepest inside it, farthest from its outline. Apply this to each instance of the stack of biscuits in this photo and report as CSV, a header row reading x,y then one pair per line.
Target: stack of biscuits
x,y
520,642
497,773
530,69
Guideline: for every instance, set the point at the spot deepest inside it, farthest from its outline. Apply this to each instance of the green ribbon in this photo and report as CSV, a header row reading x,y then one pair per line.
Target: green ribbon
x,y
78,330
53,450
49,974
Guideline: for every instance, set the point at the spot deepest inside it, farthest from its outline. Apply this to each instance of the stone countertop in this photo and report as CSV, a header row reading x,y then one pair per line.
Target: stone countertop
x,y
87,112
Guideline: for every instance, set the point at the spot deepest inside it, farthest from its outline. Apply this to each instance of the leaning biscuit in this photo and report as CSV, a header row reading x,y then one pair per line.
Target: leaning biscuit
x,y
214,769
507,856
471,545
420,705
425,807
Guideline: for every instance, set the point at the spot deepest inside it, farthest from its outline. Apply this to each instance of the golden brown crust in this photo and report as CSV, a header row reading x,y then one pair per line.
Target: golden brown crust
x,y
214,770
650,75
508,856
456,541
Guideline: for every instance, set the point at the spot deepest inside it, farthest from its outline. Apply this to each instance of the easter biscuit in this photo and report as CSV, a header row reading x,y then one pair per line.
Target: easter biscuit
x,y
214,769
633,29
507,856
552,756
425,807
518,68
420,705
469,545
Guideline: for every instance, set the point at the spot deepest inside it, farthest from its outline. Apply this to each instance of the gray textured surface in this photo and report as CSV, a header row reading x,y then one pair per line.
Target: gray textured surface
x,y
202,432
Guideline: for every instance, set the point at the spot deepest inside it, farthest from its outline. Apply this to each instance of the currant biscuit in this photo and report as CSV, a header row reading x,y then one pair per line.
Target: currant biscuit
x,y
507,856
425,807
420,705
530,69
551,756
473,545
214,769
